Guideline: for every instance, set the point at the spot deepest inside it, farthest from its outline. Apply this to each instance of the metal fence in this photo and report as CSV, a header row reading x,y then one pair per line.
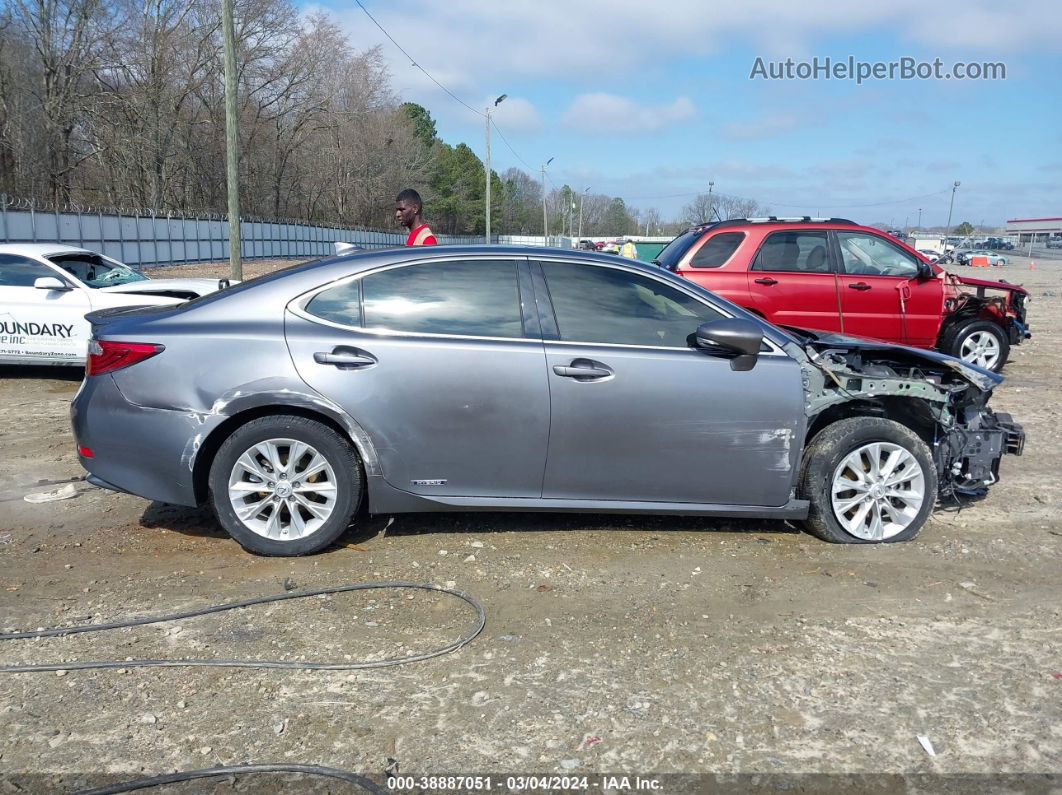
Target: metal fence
x,y
146,238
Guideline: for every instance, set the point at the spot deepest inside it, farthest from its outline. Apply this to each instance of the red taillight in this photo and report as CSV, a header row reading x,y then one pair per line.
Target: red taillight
x,y
106,357
84,452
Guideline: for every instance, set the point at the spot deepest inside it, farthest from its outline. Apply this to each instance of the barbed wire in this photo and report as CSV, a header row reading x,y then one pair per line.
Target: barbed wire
x,y
25,204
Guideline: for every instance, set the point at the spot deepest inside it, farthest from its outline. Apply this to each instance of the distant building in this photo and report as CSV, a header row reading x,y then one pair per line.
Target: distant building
x,y
1034,230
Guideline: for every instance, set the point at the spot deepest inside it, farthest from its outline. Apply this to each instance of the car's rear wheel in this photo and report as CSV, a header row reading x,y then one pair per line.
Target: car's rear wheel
x,y
979,342
869,480
285,485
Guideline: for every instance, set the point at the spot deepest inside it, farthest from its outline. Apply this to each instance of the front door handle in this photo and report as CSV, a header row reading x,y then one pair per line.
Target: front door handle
x,y
583,370
859,286
343,359
766,280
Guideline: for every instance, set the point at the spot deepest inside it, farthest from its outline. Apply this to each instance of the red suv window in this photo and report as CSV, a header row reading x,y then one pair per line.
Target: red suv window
x,y
716,250
794,250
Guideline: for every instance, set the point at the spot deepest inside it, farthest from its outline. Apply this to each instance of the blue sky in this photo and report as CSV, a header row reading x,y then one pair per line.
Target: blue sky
x,y
652,103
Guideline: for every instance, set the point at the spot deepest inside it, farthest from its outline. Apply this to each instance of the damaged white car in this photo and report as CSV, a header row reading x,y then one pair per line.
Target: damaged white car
x,y
46,289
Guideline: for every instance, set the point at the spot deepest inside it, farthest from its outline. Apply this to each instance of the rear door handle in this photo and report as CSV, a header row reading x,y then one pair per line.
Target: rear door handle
x,y
583,369
766,280
343,360
859,286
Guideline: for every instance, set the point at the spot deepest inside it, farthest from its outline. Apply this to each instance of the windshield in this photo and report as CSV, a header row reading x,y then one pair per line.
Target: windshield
x,y
674,251
94,271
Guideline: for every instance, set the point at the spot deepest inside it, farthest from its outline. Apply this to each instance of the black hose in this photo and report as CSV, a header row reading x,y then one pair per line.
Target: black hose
x,y
481,620
190,775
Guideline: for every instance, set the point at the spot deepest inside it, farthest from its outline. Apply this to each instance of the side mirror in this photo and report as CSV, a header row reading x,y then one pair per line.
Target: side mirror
x,y
51,283
732,337
925,271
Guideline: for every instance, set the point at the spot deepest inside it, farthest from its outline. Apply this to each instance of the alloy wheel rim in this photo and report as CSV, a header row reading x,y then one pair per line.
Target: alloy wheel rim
x,y
981,348
878,489
282,489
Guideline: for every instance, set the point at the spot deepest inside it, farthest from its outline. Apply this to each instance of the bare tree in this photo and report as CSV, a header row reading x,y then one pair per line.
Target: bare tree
x,y
65,36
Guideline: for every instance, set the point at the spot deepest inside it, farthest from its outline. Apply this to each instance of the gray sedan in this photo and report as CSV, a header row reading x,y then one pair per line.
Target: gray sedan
x,y
503,378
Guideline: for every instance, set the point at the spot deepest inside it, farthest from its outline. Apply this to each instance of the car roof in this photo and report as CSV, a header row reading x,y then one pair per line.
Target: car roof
x,y
41,249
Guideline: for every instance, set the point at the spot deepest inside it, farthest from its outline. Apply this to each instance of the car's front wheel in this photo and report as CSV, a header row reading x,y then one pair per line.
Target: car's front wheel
x,y
869,480
285,485
979,342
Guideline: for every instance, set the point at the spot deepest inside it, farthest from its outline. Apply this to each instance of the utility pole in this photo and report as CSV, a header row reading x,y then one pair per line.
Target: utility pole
x,y
545,219
232,139
486,165
947,229
581,195
919,219
711,206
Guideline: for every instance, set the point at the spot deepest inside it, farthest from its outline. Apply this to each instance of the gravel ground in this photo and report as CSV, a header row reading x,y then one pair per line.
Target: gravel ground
x,y
613,644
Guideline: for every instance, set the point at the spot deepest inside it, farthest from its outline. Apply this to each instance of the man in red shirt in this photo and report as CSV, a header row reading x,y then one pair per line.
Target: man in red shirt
x,y
408,209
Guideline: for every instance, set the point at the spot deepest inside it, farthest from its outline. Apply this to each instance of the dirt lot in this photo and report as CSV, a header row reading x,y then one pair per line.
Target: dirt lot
x,y
628,645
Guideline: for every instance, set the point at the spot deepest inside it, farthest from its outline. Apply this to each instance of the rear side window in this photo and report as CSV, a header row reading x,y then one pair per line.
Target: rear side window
x,y
599,304
478,298
795,251
717,250
677,248
20,272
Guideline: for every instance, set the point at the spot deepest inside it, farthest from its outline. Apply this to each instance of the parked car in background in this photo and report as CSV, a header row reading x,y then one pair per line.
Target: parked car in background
x,y
46,289
836,276
992,257
1056,243
496,378
932,256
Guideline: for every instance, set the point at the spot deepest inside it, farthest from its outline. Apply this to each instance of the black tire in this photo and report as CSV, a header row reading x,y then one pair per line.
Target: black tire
x,y
339,453
954,339
826,452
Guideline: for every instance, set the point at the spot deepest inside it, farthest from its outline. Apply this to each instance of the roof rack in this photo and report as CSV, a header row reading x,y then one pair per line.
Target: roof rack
x,y
775,219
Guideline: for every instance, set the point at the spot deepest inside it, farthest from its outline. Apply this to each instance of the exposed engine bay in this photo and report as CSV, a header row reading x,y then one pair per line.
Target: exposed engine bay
x,y
942,398
969,299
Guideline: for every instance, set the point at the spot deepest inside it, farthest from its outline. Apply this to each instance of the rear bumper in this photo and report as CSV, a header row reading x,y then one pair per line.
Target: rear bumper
x,y
143,451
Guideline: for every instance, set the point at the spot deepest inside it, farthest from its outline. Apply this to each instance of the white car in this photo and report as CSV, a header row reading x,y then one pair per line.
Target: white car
x,y
46,289
930,254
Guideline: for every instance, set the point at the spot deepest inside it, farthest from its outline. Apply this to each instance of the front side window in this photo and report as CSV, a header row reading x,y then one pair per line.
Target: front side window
x,y
601,304
717,250
18,271
797,251
478,298
95,271
870,255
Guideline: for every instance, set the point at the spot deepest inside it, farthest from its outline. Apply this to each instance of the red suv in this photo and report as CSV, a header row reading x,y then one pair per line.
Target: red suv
x,y
829,274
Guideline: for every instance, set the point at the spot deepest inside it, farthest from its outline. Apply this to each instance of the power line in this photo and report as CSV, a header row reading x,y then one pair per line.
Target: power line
x,y
506,141
457,99
413,61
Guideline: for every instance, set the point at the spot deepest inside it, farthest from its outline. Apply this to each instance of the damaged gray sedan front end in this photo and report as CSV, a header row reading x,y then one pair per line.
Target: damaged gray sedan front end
x,y
942,398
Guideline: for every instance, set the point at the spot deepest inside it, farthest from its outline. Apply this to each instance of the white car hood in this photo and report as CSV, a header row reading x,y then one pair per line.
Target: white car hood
x,y
198,286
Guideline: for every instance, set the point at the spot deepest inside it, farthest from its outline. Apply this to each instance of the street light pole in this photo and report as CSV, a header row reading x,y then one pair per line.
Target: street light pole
x,y
545,219
486,165
581,196
947,229
711,206
232,139
919,219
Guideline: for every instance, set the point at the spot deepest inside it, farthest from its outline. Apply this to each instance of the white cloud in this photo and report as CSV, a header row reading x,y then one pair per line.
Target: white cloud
x,y
602,113
516,115
477,46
